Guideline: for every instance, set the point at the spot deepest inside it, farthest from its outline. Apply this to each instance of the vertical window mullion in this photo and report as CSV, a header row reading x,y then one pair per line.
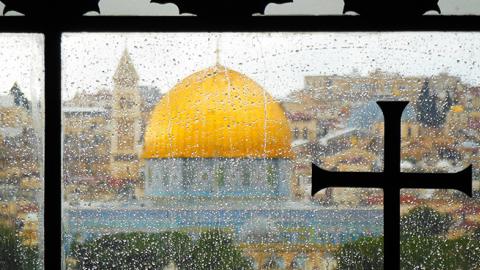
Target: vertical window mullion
x,y
53,185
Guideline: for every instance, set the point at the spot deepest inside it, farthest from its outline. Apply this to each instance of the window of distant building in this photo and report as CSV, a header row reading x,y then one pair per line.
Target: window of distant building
x,y
305,133
329,83
295,133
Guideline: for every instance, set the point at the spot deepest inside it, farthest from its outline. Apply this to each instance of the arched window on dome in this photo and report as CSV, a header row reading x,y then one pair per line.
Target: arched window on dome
x,y
246,175
188,174
272,175
220,176
166,178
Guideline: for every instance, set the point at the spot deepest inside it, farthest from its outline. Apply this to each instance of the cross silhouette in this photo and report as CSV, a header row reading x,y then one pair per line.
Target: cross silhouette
x,y
391,180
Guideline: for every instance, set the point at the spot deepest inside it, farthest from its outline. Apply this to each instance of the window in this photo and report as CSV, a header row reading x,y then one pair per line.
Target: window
x,y
295,133
108,205
219,124
21,151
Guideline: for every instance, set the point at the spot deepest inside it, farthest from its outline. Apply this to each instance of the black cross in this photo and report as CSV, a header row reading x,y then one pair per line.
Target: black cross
x,y
391,180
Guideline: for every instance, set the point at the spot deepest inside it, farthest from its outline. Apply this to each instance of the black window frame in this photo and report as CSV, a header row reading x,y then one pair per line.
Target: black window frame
x,y
52,25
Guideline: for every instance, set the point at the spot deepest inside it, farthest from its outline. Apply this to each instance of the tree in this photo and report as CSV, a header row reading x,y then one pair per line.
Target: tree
x,y
13,254
215,250
179,247
424,221
425,252
19,98
427,112
446,105
363,253
135,250
138,250
422,246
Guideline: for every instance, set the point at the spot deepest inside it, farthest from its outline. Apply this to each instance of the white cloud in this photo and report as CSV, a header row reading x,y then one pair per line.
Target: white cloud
x,y
335,7
459,7
10,13
136,7
306,7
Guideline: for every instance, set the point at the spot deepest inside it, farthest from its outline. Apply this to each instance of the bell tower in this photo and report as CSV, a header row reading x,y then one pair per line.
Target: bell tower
x,y
126,122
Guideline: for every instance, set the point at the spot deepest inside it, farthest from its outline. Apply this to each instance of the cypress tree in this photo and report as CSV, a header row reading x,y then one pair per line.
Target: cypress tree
x,y
447,104
427,112
423,103
434,119
18,97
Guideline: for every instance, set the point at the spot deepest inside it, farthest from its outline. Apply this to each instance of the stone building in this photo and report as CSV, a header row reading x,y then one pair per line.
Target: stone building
x,y
125,145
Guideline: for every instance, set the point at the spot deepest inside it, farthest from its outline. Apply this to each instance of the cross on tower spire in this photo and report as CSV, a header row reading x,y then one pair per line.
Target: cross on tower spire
x,y
391,180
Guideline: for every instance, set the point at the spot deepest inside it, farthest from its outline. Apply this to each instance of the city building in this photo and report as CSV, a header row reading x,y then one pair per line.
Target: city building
x,y
20,166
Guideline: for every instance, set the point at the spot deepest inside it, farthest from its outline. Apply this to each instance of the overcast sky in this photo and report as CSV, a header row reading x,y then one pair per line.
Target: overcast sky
x,y
313,7
21,61
276,61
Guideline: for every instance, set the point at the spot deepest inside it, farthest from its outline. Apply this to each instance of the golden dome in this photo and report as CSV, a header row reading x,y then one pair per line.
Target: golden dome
x,y
217,112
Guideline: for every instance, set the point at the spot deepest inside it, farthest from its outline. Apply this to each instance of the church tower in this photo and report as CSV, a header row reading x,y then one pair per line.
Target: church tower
x,y
126,122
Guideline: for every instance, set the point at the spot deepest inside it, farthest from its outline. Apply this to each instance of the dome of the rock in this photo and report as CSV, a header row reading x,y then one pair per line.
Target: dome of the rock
x,y
217,132
217,112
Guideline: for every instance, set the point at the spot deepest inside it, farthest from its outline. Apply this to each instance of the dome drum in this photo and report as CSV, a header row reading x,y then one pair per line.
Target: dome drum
x,y
217,177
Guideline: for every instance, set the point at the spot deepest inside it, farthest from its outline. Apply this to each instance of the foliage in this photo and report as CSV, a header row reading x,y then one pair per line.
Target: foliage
x,y
423,246
424,252
433,252
427,112
123,251
14,255
424,221
364,253
19,98
215,250
138,250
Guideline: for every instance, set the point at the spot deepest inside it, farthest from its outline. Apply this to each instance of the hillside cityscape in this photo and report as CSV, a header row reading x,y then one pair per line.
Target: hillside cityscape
x,y
217,152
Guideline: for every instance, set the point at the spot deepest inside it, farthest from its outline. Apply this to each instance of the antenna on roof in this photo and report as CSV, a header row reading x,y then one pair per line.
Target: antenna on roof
x,y
217,51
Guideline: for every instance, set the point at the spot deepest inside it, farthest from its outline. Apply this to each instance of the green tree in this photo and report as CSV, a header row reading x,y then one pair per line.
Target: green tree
x,y
423,246
446,105
18,97
138,250
427,112
135,250
424,221
425,252
14,255
179,248
215,250
362,254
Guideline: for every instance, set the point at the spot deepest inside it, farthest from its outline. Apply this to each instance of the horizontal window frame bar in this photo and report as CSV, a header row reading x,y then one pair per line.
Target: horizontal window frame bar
x,y
239,24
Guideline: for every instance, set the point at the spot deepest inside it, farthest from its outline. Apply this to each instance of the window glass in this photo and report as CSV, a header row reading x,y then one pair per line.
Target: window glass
x,y
21,151
217,172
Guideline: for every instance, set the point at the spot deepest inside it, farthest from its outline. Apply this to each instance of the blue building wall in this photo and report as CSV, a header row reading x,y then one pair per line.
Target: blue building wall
x,y
217,177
